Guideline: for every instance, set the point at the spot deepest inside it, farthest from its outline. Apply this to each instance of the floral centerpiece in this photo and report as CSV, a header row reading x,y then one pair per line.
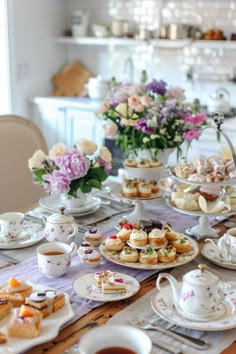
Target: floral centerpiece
x,y
151,116
65,170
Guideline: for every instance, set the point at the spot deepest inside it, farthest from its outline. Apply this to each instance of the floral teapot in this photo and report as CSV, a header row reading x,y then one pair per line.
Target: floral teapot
x,y
219,101
61,227
225,249
199,297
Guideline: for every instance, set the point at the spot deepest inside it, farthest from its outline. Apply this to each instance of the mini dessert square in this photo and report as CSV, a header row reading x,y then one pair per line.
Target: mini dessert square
x,y
113,285
100,276
16,291
46,302
5,308
25,322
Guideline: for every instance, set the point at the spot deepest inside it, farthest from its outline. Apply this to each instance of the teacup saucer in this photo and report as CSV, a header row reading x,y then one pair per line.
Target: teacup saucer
x,y
209,253
219,312
166,309
31,234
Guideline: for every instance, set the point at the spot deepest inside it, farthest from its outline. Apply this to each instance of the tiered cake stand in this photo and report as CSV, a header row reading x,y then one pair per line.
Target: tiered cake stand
x,y
203,229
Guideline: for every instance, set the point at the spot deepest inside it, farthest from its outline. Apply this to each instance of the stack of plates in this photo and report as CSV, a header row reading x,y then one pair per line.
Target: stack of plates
x,y
53,203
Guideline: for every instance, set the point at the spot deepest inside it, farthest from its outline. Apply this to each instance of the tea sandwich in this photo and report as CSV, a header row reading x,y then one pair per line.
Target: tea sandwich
x,y
113,285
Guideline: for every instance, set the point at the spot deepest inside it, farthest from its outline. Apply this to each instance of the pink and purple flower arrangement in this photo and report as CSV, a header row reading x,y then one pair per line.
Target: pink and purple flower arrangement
x,y
151,116
66,170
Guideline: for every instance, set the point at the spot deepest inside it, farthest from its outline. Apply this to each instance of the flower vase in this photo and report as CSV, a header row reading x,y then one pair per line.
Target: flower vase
x,y
70,202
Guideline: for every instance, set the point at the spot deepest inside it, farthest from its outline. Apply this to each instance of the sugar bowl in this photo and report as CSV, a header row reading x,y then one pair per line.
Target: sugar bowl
x,y
61,227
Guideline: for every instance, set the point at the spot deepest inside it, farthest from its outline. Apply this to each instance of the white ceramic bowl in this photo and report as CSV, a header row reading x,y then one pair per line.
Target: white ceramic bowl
x,y
111,335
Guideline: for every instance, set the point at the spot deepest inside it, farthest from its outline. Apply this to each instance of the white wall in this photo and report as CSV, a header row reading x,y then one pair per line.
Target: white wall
x,y
34,57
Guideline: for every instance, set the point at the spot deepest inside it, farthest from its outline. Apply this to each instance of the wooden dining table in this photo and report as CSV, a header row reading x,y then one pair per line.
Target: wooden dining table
x,y
71,334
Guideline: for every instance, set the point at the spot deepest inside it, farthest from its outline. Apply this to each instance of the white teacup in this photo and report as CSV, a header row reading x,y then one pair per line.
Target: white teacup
x,y
226,246
11,224
54,258
113,336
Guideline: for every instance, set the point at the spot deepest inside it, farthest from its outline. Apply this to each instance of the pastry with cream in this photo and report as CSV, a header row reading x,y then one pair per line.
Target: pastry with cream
x,y
144,189
182,245
170,233
125,232
148,256
94,236
167,254
84,246
157,237
138,237
5,308
16,291
114,243
91,257
129,189
129,254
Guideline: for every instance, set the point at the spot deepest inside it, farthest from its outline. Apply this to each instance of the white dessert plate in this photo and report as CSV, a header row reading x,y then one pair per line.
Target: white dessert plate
x,y
209,253
165,309
114,256
86,288
50,326
197,212
31,234
145,246
52,203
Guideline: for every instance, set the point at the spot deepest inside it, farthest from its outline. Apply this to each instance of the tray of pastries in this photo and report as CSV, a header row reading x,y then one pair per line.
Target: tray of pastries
x,y
30,314
206,170
150,244
139,188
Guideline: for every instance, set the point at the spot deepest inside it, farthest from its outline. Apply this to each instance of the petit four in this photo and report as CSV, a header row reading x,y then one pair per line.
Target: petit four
x,y
144,190
148,256
3,338
155,163
46,302
154,186
143,163
125,232
84,246
100,276
113,285
167,254
5,308
129,189
91,257
114,243
138,237
130,163
16,291
157,237
182,244
129,254
94,236
25,322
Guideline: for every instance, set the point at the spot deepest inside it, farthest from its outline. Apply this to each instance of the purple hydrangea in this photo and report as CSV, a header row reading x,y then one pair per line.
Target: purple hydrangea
x,y
143,126
158,87
73,165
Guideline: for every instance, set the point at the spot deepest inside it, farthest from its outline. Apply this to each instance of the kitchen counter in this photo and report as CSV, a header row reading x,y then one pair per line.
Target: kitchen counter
x,y
68,102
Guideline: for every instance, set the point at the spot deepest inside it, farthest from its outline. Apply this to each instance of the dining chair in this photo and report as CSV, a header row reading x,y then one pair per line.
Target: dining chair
x,y
19,139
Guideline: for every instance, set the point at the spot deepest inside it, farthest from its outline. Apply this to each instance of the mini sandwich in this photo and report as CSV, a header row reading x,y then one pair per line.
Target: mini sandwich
x,y
113,285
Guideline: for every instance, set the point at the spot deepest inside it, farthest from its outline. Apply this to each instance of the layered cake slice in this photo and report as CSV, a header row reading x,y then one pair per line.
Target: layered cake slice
x,y
16,291
100,276
46,302
25,322
113,285
5,308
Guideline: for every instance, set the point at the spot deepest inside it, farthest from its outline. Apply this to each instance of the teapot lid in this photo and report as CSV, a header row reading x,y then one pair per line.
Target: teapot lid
x,y
60,218
201,276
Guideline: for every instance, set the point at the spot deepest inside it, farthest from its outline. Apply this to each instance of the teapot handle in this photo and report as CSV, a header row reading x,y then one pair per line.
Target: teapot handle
x,y
75,230
73,249
172,296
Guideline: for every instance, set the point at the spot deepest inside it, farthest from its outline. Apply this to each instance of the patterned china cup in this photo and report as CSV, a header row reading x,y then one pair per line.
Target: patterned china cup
x,y
61,227
54,258
226,246
11,224
199,297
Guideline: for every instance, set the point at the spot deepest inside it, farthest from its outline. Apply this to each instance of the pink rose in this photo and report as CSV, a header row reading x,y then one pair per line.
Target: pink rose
x,y
133,101
145,101
139,108
199,118
110,129
104,107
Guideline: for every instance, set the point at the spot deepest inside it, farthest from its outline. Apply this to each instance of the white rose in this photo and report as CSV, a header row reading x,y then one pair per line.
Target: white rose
x,y
36,161
105,154
146,140
57,150
86,147
122,109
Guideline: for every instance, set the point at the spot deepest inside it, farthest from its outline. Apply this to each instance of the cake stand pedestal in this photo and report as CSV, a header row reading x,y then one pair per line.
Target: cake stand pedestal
x,y
139,213
203,229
